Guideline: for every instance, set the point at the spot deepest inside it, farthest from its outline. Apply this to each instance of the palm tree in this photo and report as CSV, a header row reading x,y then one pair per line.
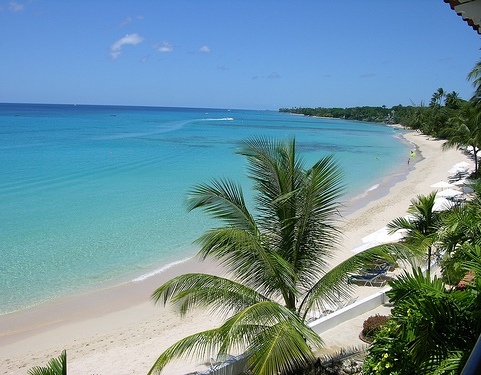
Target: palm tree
x,y
452,100
421,225
475,76
277,261
437,98
465,131
56,366
461,226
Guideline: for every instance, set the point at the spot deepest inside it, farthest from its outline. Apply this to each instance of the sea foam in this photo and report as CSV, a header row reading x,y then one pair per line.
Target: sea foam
x,y
159,270
219,119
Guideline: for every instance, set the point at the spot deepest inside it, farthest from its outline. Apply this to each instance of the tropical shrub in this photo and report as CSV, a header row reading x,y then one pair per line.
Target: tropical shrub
x,y
387,355
372,325
433,328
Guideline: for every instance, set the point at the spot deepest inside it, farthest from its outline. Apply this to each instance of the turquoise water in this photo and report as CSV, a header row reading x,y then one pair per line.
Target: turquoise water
x,y
89,194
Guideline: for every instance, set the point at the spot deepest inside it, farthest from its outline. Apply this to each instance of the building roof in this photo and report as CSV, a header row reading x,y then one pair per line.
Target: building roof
x,y
469,10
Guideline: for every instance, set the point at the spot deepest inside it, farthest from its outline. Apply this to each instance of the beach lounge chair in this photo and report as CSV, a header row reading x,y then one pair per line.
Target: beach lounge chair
x,y
376,268
382,266
369,279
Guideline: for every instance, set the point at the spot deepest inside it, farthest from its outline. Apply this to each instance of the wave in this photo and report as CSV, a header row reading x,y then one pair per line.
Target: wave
x,y
164,128
366,192
219,119
159,270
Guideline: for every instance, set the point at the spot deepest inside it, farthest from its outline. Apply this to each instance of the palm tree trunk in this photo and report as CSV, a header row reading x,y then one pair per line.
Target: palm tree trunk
x,y
429,259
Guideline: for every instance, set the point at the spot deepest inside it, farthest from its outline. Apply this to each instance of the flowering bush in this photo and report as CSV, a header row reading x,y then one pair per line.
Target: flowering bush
x,y
372,325
388,355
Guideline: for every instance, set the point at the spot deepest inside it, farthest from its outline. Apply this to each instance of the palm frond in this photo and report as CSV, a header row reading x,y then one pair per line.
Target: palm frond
x,y
223,199
199,345
273,166
203,290
249,258
333,284
280,349
401,223
316,233
282,344
452,364
408,287
56,366
473,261
270,333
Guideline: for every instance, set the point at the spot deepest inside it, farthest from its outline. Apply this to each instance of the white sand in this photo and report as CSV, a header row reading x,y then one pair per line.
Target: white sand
x,y
119,330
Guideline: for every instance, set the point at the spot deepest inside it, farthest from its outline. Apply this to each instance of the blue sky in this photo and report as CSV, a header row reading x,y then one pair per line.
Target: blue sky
x,y
233,54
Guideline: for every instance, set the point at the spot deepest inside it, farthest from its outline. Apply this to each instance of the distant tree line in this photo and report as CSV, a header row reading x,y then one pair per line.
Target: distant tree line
x,y
432,119
370,114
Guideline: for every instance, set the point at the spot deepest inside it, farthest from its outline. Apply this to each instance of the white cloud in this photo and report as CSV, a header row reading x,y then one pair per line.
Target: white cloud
x,y
129,39
13,6
164,47
126,21
204,49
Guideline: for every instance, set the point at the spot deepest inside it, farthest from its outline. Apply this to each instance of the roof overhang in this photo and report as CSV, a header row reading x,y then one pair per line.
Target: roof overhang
x,y
469,10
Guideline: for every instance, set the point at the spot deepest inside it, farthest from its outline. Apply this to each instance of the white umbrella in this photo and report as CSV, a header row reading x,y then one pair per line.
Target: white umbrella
x,y
448,193
442,204
460,182
442,185
462,166
383,236
456,170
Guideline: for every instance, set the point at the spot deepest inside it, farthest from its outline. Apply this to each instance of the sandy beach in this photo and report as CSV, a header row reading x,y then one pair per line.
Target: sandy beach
x,y
118,330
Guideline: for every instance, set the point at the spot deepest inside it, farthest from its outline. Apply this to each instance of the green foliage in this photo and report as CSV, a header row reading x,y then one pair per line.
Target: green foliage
x,y
277,260
344,361
431,120
432,330
422,227
464,129
373,325
461,230
56,366
371,114
388,355
452,268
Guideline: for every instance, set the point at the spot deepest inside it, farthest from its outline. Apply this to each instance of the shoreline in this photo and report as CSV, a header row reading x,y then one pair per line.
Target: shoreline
x,y
119,330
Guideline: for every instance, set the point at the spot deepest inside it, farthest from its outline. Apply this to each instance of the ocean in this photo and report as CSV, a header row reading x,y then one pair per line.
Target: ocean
x,y
94,194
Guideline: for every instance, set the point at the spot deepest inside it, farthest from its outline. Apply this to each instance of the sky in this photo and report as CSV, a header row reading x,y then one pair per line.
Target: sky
x,y
261,54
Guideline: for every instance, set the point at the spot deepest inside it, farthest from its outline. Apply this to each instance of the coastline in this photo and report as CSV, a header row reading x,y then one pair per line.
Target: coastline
x,y
119,330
